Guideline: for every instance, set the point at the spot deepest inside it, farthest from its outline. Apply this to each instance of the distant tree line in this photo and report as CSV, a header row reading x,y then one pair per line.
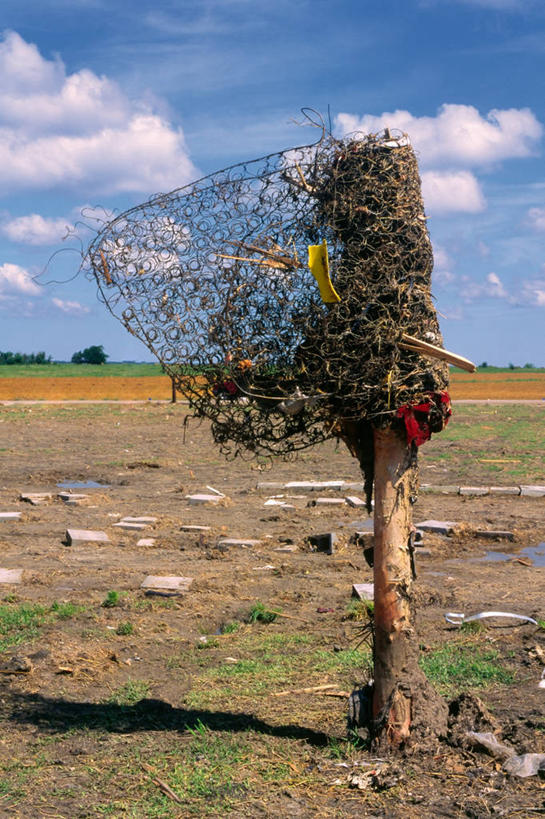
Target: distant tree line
x,y
24,358
91,355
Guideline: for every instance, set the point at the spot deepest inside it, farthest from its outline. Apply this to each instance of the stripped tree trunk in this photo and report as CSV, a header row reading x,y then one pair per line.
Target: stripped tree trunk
x,y
404,706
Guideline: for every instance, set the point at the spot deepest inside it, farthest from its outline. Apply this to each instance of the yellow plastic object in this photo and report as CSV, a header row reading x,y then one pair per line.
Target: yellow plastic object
x,y
318,262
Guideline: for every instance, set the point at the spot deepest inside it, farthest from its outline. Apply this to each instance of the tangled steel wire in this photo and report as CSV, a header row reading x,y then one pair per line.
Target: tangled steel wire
x,y
213,279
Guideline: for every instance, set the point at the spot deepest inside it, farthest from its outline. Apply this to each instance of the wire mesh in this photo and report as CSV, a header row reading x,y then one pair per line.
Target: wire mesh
x,y
213,278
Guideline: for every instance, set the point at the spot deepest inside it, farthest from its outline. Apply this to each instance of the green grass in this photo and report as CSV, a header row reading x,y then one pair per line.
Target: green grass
x,y
79,370
124,629
259,613
23,622
112,599
129,693
456,667
268,663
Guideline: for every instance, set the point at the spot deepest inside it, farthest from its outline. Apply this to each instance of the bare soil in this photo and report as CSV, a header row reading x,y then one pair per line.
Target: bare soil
x,y
517,385
78,740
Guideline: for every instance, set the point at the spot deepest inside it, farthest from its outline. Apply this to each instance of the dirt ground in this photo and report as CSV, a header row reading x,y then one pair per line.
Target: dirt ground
x,y
171,707
480,385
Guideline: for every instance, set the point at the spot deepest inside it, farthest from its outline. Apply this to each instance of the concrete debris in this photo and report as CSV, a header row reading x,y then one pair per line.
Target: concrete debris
x,y
190,527
437,527
504,490
475,491
354,501
72,498
171,583
146,541
243,543
142,519
431,489
314,486
130,526
199,499
35,498
327,502
10,515
281,503
365,591
75,536
12,576
494,534
532,491
323,543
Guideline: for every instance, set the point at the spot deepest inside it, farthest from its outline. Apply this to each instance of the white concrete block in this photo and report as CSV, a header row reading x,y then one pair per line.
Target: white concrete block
x,y
74,536
199,499
189,527
365,591
169,583
10,515
354,501
11,575
130,527
534,491
438,527
242,542
475,491
146,541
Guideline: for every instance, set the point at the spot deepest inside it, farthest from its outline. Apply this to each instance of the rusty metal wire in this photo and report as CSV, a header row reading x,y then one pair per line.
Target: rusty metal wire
x,y
213,278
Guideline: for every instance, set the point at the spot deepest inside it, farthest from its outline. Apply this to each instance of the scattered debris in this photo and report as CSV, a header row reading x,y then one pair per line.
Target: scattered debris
x,y
323,543
244,543
489,741
525,765
437,527
13,576
459,619
201,498
74,536
35,498
365,591
172,584
494,534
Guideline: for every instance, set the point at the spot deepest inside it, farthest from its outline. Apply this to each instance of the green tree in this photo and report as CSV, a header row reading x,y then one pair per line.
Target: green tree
x,y
90,355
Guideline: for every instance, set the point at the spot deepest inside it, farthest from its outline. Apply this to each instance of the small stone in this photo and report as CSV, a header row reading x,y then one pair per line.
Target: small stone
x,y
196,500
438,527
146,541
243,543
74,536
476,491
10,515
365,591
323,543
11,575
529,491
171,583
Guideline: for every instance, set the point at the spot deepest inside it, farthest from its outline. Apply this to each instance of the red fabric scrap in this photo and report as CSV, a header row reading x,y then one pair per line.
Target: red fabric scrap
x,y
226,386
423,419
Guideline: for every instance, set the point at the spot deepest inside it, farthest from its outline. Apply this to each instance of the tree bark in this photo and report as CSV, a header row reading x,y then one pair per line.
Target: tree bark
x,y
404,704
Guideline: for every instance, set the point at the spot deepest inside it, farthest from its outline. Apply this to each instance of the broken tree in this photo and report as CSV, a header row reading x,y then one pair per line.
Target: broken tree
x,y
212,277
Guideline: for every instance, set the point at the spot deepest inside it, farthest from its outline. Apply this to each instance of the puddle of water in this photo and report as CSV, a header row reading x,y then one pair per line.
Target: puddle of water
x,y
534,553
83,485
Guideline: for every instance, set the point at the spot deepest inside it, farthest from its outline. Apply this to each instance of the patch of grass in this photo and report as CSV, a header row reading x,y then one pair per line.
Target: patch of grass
x,y
129,693
230,628
541,625
360,610
112,599
22,623
124,629
454,667
259,613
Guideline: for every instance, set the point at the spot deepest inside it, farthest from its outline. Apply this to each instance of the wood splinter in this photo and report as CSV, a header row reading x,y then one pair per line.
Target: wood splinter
x,y
415,345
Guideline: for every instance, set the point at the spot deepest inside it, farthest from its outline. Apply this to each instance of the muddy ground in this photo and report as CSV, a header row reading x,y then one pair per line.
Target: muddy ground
x,y
159,706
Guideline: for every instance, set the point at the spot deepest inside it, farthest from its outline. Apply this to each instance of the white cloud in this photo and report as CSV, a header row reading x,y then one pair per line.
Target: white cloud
x,y
17,280
80,129
452,191
458,135
496,287
441,266
36,230
532,292
536,219
71,308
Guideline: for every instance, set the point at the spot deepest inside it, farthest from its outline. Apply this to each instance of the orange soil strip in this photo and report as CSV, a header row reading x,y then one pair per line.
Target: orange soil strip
x,y
517,385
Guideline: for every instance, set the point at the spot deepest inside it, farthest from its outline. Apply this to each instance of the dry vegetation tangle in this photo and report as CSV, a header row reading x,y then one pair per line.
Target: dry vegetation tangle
x,y
180,707
517,385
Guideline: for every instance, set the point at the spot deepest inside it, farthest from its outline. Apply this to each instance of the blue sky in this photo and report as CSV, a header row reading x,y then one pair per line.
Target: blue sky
x,y
104,103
